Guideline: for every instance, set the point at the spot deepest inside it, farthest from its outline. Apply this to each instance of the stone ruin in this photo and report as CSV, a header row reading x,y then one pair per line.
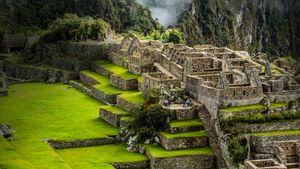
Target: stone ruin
x,y
263,164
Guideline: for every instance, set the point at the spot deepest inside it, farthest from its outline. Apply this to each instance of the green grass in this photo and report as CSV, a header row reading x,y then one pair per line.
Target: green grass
x,y
193,122
200,133
127,118
117,70
96,76
39,111
278,133
278,105
159,152
109,89
242,108
115,110
99,154
134,97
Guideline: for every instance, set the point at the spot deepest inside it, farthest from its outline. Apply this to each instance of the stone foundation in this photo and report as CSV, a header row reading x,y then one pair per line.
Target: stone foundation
x,y
187,142
183,162
80,87
100,70
132,165
124,104
110,117
184,129
123,84
183,113
61,144
104,97
87,80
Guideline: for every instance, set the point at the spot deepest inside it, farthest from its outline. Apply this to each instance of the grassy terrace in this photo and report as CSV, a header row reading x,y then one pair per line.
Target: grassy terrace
x,y
200,133
251,107
40,111
193,122
131,96
278,133
159,152
117,70
99,155
115,110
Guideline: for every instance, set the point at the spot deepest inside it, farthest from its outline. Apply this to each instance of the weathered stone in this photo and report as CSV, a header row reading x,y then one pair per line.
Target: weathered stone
x,y
5,130
61,144
124,84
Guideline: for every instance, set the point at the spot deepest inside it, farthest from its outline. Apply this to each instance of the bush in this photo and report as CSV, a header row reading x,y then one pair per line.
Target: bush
x,y
72,27
238,149
173,36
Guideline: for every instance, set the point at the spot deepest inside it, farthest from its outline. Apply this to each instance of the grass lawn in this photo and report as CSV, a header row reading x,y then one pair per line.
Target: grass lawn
x,y
178,123
40,111
200,133
159,152
278,133
109,153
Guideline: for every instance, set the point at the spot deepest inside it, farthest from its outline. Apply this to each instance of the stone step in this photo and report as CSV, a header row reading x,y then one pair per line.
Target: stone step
x,y
112,115
195,158
106,93
192,139
130,100
91,78
176,126
125,121
81,86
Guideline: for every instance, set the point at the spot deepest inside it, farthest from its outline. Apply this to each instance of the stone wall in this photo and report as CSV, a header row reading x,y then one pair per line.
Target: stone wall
x,y
264,144
132,165
111,118
41,74
130,84
180,143
124,104
61,144
183,162
104,97
87,80
80,87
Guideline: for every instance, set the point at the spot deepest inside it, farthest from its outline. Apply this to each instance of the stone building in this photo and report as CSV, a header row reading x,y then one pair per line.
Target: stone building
x,y
263,164
288,153
13,42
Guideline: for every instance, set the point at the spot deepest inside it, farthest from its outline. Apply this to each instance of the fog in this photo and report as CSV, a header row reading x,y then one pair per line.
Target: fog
x,y
166,11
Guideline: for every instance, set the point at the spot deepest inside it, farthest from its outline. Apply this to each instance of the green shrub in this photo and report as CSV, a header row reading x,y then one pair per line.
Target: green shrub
x,y
238,149
72,27
173,36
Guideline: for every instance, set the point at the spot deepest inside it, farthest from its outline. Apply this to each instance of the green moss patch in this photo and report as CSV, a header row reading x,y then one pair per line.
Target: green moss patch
x,y
159,152
278,133
193,122
200,133
108,89
278,105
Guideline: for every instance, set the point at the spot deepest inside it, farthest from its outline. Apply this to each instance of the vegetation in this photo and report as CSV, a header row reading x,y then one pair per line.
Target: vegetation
x,y
242,108
238,149
72,27
35,114
193,122
278,133
99,155
159,152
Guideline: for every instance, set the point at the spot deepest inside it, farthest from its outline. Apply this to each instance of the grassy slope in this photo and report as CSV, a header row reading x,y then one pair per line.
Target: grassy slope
x,y
40,111
178,123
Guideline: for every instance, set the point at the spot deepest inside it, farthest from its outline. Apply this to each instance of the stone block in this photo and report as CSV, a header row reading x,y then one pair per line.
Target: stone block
x,y
124,84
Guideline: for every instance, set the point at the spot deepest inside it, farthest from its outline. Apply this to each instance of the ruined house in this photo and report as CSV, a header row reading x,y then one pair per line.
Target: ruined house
x,y
13,42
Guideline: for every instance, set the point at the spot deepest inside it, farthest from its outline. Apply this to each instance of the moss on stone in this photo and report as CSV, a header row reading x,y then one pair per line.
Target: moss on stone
x,y
242,108
278,133
115,110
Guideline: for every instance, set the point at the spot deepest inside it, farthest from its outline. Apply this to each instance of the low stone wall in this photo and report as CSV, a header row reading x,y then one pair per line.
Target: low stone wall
x,y
132,165
87,80
104,97
179,143
266,127
61,144
124,104
184,113
29,72
123,84
111,118
81,87
264,144
224,114
183,162
100,70
185,129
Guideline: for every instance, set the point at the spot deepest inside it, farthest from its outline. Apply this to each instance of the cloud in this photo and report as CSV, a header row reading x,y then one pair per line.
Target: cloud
x,y
166,11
